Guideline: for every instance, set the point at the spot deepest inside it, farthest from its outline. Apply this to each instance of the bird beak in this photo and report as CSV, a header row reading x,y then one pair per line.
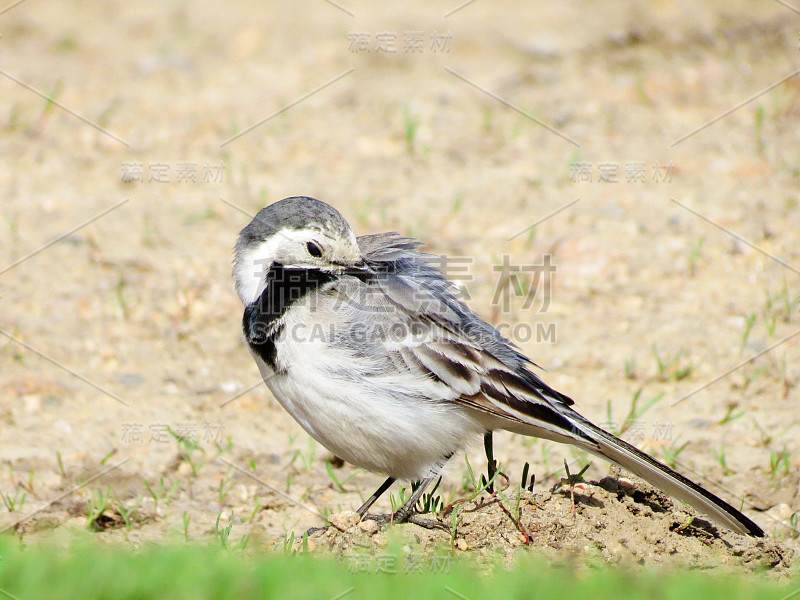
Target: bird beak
x,y
358,269
362,266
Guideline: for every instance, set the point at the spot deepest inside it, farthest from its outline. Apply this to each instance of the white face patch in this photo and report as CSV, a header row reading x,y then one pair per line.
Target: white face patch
x,y
289,248
251,269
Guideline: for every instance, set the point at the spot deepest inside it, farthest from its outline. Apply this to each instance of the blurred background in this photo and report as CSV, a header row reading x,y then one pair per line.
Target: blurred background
x,y
648,151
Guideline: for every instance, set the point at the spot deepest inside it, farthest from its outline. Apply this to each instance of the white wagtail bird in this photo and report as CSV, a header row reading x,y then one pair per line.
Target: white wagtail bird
x,y
366,344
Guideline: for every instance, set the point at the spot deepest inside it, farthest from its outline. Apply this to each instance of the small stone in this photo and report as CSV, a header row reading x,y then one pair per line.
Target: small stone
x,y
543,46
130,380
784,511
46,522
370,526
33,403
462,545
379,539
344,520
229,387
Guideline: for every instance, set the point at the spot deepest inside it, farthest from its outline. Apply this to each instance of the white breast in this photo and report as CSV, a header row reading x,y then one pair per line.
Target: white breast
x,y
376,418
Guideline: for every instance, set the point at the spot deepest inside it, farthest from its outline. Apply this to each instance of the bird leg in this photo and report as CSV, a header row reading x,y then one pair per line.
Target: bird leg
x,y
378,493
405,511
365,507
491,466
405,514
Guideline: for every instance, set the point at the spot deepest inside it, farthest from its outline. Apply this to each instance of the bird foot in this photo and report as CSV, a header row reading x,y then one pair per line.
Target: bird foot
x,y
384,520
312,530
404,517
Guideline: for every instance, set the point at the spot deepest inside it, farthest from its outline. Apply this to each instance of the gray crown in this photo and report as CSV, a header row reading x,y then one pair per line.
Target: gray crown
x,y
297,212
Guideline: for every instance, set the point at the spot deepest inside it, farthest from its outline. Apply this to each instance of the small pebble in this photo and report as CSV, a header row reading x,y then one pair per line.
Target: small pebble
x,y
230,387
784,511
370,526
461,545
344,520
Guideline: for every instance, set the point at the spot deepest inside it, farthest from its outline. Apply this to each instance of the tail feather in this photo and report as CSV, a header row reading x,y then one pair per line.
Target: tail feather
x,y
623,454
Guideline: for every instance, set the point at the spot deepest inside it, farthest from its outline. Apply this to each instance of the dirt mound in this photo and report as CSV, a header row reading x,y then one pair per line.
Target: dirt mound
x,y
615,520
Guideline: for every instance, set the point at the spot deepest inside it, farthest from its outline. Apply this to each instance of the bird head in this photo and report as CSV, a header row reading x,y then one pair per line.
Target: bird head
x,y
296,233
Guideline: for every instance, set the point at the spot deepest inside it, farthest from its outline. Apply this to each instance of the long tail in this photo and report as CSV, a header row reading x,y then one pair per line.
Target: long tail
x,y
629,457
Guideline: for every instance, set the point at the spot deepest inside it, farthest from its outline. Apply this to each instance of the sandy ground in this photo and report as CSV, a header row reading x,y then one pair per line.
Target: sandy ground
x,y
675,246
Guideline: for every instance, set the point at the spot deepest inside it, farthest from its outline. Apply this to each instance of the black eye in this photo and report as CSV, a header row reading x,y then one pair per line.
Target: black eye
x,y
314,249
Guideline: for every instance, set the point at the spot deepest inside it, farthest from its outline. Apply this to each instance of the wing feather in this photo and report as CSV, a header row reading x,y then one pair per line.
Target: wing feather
x,y
459,377
480,367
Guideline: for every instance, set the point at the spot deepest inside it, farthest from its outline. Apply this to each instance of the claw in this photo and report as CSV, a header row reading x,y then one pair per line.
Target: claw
x,y
404,517
312,530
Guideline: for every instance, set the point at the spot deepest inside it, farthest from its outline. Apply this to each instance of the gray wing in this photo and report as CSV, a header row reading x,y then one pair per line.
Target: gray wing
x,y
460,350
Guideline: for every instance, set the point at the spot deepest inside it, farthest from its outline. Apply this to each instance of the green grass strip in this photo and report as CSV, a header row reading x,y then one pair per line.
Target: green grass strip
x,y
91,570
